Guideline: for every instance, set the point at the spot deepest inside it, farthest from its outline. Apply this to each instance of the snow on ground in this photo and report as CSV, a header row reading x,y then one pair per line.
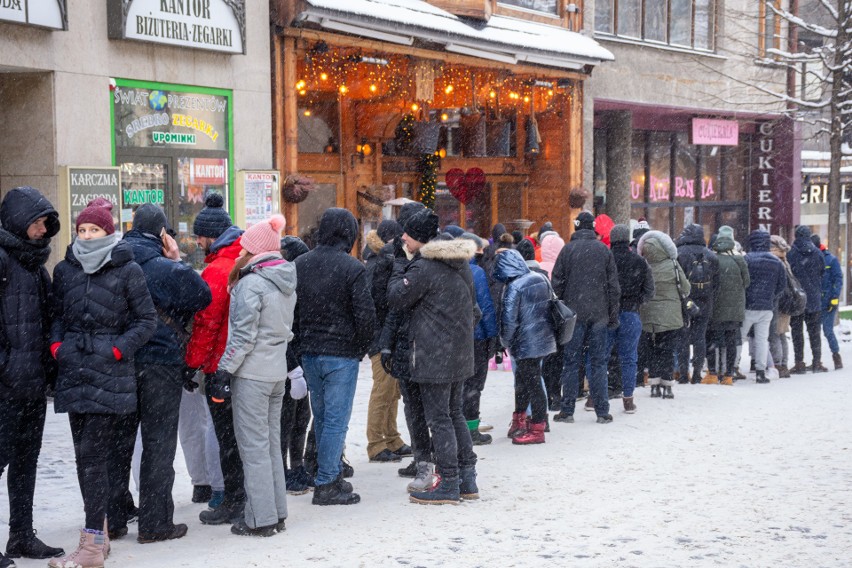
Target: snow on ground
x,y
750,475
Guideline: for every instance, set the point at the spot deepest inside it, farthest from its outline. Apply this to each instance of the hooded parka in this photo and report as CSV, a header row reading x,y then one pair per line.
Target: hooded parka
x,y
663,311
807,263
734,279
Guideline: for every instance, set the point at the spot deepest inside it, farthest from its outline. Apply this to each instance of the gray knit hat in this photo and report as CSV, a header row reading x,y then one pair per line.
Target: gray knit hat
x,y
619,234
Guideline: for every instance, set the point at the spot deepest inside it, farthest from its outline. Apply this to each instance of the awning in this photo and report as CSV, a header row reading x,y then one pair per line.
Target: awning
x,y
504,39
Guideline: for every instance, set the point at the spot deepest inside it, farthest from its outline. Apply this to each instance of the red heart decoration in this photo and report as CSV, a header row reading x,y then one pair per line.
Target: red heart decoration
x,y
474,179
465,186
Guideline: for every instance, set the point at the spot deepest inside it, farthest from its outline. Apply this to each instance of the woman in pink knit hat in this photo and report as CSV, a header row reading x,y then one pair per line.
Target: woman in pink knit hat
x,y
263,296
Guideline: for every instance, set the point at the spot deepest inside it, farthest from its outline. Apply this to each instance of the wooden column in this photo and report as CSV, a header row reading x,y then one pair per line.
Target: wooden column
x,y
286,121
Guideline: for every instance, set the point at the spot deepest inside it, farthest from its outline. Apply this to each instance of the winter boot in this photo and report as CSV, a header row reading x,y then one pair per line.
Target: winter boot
x,y
240,528
629,406
331,494
655,387
605,419
696,377
738,376
681,379
507,363
761,377
728,380
710,379
492,364
425,479
467,484
799,368
27,545
201,493
89,553
818,367
563,416
346,467
838,362
519,424
294,482
446,493
226,513
476,436
408,471
783,371
667,388
534,434
590,405
107,546
175,532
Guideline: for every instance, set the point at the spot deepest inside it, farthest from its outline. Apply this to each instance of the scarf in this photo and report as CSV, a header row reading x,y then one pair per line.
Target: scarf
x,y
31,254
96,253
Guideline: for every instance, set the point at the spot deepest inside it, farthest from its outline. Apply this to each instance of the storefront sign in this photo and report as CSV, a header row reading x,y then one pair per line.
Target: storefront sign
x,y
82,185
684,188
261,189
43,13
206,171
217,25
817,194
146,118
773,178
710,132
133,197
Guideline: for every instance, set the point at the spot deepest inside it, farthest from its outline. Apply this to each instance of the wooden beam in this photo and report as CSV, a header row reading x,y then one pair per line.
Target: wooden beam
x,y
287,122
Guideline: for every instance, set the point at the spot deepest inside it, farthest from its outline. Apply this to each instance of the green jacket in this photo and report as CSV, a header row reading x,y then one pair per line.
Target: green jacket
x,y
663,311
733,281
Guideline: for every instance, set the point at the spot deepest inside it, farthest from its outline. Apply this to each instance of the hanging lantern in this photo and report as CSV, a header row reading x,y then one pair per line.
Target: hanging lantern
x,y
532,146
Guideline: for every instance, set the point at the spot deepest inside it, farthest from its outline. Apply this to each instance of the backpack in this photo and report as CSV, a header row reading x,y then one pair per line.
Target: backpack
x,y
793,299
700,276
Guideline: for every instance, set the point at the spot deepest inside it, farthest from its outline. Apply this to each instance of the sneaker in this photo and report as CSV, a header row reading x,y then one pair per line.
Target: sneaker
x,y
201,493
404,451
590,405
330,494
240,528
445,493
425,479
479,439
385,456
177,531
629,406
27,545
223,514
605,419
294,482
408,471
562,416
485,426
216,499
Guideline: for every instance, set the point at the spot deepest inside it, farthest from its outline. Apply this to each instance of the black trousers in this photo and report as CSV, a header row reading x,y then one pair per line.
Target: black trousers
x,y
159,393
415,419
695,335
295,418
474,386
21,429
92,435
722,351
229,455
442,403
660,352
551,370
813,322
120,460
528,388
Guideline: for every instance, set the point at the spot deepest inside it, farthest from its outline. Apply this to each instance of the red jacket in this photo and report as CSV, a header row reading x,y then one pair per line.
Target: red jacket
x,y
210,326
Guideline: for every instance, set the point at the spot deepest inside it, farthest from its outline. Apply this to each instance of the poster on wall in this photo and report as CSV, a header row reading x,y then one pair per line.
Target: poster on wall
x,y
78,186
217,25
158,118
51,14
257,196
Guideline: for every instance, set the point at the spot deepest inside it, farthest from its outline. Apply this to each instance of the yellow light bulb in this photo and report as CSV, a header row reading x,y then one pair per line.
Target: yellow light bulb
x,y
492,94
307,112
526,99
303,92
550,92
343,89
448,89
373,88
324,76
445,117
415,107
300,85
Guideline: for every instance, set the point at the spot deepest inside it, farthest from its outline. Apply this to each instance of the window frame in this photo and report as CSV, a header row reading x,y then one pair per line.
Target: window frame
x,y
764,13
613,31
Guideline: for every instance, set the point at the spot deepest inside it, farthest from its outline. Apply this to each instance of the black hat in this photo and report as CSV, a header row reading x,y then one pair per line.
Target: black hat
x,y
213,220
292,248
803,231
526,248
422,226
585,220
388,230
816,241
454,230
407,210
151,220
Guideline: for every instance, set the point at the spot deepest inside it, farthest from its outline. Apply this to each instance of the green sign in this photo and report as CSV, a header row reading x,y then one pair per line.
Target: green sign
x,y
174,138
140,196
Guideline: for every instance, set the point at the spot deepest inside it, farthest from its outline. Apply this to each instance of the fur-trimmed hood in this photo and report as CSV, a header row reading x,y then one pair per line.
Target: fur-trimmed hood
x,y
457,250
657,246
374,241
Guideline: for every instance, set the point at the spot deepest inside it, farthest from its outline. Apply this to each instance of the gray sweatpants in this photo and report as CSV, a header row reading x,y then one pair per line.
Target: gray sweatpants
x,y
198,441
257,426
760,320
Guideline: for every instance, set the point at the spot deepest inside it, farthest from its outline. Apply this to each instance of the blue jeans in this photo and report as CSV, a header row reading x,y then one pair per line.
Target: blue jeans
x,y
828,330
626,338
593,335
331,382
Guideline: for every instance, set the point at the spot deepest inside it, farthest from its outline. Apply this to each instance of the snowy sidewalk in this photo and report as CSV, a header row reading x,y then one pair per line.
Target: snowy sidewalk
x,y
750,475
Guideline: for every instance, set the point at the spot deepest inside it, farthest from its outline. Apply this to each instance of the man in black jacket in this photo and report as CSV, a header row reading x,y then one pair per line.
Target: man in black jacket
x,y
336,324
585,277
701,267
29,221
437,288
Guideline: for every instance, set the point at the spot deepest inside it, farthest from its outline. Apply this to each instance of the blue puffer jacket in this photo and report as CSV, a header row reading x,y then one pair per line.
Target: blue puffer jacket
x,y
525,317
767,274
807,265
177,291
487,326
832,280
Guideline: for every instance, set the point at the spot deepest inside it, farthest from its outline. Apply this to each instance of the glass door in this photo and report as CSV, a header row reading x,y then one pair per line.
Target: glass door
x,y
146,180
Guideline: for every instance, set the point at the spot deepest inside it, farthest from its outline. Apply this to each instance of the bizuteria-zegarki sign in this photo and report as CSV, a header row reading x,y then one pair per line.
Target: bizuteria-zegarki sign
x,y
217,25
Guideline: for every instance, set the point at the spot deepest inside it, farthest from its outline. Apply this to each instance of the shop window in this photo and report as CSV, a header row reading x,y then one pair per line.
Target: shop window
x,y
478,213
550,7
311,209
682,23
509,206
600,157
685,185
659,151
708,187
446,206
319,127
769,34
735,166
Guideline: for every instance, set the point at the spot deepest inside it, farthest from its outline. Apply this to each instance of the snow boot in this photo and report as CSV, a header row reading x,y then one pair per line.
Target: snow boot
x,y
27,545
681,379
605,419
201,493
425,478
446,493
331,494
89,553
294,483
590,405
629,406
738,376
534,434
656,392
799,368
818,367
696,377
783,371
240,528
563,416
177,531
519,424
478,438
346,467
838,362
468,490
408,471
728,380
492,364
761,378
667,388
226,513
710,379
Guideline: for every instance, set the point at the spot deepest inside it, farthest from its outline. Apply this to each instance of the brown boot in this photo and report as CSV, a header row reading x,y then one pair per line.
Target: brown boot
x,y
710,379
89,553
799,368
838,362
783,372
590,404
728,381
818,367
629,407
519,424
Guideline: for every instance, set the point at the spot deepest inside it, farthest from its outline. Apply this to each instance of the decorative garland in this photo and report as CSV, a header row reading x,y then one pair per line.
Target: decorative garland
x,y
428,168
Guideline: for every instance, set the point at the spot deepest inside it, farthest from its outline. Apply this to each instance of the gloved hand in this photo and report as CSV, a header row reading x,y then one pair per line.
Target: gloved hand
x,y
219,385
387,360
832,305
298,386
189,374
493,346
398,249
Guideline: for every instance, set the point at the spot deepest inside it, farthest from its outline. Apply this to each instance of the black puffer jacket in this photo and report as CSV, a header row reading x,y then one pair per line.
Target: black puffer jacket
x,y
93,314
690,248
25,361
807,263
379,269
336,313
393,336
634,277
585,277
437,288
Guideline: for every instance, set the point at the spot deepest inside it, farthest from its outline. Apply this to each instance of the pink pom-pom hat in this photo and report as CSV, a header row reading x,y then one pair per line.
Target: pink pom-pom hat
x,y
264,237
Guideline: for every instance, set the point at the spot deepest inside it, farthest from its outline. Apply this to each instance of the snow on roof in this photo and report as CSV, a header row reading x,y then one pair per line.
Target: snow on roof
x,y
507,34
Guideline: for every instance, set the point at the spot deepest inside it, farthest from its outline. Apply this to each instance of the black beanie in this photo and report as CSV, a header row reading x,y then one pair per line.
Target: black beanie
x,y
389,230
151,220
292,248
213,220
422,226
526,248
585,220
407,210
803,231
816,241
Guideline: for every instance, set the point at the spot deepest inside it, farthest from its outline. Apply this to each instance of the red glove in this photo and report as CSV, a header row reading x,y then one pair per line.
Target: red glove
x,y
116,353
54,347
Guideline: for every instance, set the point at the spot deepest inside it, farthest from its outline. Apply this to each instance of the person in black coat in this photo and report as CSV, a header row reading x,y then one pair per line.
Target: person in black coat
x,y
103,316
586,279
178,292
437,288
694,257
29,221
336,322
807,263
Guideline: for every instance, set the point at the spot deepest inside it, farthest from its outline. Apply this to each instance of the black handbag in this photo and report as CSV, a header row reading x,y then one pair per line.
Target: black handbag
x,y
689,310
562,318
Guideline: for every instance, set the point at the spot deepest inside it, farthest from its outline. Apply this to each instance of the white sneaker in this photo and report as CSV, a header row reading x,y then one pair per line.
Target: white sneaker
x,y
426,478
485,426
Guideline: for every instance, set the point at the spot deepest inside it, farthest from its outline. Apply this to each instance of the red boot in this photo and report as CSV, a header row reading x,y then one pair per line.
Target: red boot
x,y
519,424
533,435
